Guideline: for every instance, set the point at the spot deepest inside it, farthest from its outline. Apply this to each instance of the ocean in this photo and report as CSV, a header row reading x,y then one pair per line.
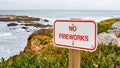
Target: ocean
x,y
14,39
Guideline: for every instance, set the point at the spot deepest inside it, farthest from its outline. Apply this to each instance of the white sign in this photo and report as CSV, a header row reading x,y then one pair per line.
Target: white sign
x,y
75,34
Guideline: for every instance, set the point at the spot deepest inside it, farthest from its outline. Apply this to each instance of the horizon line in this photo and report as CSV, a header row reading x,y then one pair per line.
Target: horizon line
x,y
60,10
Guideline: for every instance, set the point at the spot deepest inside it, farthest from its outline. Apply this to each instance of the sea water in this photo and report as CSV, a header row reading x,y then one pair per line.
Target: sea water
x,y
14,39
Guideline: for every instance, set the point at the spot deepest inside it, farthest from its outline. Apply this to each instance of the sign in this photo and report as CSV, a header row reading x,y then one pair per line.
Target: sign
x,y
75,34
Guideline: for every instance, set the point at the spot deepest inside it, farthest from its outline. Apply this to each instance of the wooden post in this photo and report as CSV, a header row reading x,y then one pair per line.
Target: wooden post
x,y
74,56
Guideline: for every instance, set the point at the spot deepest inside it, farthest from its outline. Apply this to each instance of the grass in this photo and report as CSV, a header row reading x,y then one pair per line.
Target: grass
x,y
103,57
54,57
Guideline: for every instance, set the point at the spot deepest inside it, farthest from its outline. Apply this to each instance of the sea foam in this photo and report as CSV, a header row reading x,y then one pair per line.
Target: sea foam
x,y
5,34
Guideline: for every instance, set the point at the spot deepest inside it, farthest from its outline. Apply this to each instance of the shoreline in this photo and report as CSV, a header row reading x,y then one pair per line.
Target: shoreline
x,y
16,31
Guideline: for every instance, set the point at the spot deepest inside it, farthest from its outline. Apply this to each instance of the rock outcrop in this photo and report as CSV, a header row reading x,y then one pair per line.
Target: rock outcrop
x,y
116,26
17,18
115,31
111,36
12,24
107,38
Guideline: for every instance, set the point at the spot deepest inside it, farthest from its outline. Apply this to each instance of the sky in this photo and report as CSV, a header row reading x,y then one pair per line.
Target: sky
x,y
59,4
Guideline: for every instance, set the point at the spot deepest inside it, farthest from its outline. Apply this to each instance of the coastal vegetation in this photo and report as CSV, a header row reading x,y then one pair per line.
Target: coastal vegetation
x,y
40,52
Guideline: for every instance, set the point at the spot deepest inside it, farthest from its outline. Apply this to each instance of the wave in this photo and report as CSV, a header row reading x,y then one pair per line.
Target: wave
x,y
95,18
5,34
20,30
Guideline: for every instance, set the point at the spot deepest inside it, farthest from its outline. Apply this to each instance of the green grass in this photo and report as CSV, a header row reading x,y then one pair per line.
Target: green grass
x,y
54,57
103,57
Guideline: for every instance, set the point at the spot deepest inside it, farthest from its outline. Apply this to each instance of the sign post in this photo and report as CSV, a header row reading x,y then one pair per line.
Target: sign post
x,y
74,58
75,35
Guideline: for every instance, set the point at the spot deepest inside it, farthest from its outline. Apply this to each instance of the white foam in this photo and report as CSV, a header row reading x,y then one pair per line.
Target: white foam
x,y
96,19
5,34
20,30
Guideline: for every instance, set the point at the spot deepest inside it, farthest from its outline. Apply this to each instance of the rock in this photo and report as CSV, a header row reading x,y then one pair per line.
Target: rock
x,y
45,20
12,24
36,25
24,27
119,42
115,31
28,30
17,18
115,26
107,38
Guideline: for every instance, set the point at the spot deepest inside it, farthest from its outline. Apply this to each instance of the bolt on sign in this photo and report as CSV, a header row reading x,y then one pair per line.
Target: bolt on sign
x,y
75,34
